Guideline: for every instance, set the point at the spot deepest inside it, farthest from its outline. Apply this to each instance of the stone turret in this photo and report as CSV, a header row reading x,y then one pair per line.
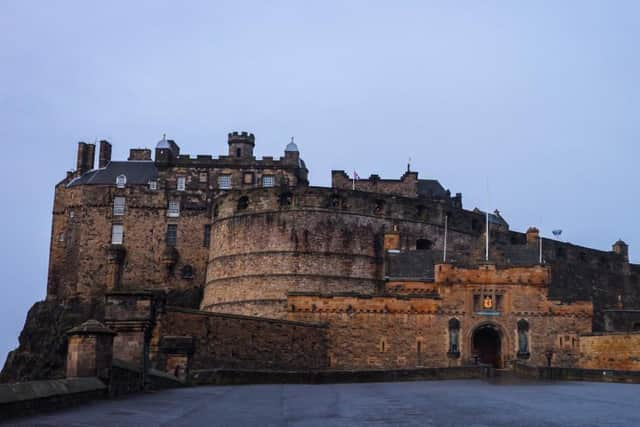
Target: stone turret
x,y
241,145
621,248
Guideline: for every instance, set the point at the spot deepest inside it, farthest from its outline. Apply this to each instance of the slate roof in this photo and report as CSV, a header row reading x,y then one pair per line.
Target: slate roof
x,y
430,188
138,172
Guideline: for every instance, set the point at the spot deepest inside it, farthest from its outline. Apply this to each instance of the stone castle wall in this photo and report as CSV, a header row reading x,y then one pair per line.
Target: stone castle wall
x,y
313,239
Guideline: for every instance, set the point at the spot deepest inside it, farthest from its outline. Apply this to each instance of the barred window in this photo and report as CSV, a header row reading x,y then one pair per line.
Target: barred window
x,y
207,236
174,208
224,182
268,181
181,183
118,206
172,234
153,185
121,181
117,234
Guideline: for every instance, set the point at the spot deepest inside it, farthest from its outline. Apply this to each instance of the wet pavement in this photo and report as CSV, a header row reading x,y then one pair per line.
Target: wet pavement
x,y
469,403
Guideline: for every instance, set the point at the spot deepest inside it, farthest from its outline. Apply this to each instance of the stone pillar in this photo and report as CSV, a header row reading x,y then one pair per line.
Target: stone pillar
x,y
621,248
131,314
90,350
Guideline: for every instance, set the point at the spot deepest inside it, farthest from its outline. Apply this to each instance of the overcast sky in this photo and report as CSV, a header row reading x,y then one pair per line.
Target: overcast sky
x,y
539,98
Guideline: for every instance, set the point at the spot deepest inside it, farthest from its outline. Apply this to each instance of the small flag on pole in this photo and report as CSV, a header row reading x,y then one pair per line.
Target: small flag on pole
x,y
355,176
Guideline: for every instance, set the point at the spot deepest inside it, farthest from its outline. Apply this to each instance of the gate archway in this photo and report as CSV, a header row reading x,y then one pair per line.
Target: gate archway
x,y
486,344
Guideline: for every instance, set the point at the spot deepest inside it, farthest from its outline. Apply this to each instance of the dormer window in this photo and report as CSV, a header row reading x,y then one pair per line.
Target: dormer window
x,y
181,183
121,181
174,208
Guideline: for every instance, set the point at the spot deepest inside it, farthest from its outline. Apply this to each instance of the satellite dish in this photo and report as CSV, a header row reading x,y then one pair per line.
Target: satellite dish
x,y
557,233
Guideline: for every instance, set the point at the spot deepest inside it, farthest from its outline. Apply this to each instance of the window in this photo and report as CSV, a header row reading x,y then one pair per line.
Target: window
x,y
224,182
121,181
207,236
153,185
204,177
454,338
118,206
187,272
174,208
423,244
181,183
117,234
243,203
268,181
172,235
238,152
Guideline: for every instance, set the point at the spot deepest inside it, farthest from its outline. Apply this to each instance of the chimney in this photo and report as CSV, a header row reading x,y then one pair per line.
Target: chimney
x,y
91,156
139,154
105,153
532,235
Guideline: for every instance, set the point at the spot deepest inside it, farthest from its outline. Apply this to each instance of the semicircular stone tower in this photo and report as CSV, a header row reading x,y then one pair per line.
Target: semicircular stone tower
x,y
269,242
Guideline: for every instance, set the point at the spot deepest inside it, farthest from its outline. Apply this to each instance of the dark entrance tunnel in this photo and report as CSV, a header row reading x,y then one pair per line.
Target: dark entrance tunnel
x,y
486,345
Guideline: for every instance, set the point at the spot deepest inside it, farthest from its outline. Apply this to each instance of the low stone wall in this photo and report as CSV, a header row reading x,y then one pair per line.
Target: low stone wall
x,y
19,399
238,376
204,340
577,374
610,350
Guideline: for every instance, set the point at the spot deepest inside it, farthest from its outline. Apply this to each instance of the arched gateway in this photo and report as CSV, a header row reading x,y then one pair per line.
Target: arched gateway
x,y
486,344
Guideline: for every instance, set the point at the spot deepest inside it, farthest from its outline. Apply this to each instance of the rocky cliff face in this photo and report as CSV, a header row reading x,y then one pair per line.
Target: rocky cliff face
x,y
42,349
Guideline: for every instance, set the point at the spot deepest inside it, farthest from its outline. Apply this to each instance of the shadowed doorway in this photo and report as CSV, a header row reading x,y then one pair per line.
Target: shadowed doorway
x,y
486,345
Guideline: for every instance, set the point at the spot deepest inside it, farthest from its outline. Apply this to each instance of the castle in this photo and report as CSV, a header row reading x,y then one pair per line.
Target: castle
x,y
202,262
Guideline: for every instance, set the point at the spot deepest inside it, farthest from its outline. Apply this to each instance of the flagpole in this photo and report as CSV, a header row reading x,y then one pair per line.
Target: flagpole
x,y
486,245
444,256
540,241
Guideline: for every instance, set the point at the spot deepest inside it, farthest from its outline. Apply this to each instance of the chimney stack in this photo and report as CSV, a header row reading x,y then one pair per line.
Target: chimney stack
x,y
532,235
86,157
105,153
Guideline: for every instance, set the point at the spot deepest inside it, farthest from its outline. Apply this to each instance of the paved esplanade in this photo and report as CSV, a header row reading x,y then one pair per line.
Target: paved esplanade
x,y
434,403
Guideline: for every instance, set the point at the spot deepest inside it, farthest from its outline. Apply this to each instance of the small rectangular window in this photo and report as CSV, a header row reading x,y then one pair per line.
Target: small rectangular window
x,y
118,206
117,234
153,185
174,208
181,183
172,234
224,182
207,236
204,177
268,181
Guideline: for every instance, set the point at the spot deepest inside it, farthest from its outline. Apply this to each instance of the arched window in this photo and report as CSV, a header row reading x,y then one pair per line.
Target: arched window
x,y
243,203
121,181
238,152
286,199
454,338
523,339
187,272
379,207
423,244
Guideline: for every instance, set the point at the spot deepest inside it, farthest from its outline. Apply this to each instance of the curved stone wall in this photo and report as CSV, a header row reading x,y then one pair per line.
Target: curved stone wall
x,y
266,242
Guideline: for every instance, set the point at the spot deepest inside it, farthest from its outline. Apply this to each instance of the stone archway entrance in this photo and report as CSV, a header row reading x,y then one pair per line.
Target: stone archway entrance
x,y
486,343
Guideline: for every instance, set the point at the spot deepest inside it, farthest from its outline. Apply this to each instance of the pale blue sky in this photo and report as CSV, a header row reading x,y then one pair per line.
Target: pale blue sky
x,y
541,98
